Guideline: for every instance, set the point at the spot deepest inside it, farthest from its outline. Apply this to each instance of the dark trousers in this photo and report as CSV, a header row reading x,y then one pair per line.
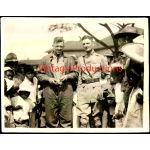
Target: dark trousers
x,y
58,105
33,119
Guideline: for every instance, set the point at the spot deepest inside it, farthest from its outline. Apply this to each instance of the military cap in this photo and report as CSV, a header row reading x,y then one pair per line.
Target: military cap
x,y
58,39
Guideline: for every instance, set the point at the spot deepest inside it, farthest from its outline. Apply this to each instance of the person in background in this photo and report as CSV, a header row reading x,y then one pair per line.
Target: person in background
x,y
21,108
109,57
8,73
135,74
31,83
122,87
12,62
8,84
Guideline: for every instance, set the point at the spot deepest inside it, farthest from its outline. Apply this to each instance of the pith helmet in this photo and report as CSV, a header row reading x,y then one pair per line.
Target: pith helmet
x,y
11,57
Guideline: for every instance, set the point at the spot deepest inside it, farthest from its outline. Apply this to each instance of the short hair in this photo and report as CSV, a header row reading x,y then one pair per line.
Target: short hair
x,y
87,37
58,39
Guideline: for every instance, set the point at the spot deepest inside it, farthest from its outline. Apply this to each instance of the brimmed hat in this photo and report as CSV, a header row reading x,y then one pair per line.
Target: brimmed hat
x,y
134,51
7,69
127,31
11,57
139,39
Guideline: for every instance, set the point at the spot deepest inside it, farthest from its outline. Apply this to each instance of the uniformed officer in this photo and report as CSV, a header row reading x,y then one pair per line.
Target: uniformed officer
x,y
58,77
89,90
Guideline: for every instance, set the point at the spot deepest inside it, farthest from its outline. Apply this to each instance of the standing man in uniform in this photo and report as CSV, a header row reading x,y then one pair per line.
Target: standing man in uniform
x,y
58,78
89,89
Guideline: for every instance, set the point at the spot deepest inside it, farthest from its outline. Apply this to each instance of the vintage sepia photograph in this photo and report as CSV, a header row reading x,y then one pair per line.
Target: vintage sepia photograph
x,y
74,74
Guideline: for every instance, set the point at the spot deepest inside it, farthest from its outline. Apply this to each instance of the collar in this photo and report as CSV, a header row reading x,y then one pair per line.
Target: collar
x,y
92,53
52,55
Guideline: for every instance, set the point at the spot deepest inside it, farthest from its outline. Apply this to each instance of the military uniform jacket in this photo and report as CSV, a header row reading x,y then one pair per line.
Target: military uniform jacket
x,y
92,67
46,71
91,92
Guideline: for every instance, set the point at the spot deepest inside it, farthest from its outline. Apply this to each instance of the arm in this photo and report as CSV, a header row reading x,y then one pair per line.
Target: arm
x,y
42,74
71,74
105,72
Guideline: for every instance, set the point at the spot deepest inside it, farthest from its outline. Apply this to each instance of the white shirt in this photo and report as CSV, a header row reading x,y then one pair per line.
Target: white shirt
x,y
21,114
31,87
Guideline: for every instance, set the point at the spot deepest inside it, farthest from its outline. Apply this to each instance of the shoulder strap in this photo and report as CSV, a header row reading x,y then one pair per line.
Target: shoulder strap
x,y
87,70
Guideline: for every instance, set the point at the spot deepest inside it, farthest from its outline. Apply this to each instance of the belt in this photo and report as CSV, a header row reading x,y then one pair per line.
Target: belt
x,y
87,81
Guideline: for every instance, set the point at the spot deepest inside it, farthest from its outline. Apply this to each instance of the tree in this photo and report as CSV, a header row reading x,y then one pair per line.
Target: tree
x,y
64,27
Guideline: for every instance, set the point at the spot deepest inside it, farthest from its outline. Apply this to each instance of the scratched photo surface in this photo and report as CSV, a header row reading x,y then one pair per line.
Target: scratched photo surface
x,y
74,74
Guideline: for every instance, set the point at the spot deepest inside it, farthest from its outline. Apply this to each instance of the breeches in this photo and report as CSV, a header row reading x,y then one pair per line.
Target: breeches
x,y
89,109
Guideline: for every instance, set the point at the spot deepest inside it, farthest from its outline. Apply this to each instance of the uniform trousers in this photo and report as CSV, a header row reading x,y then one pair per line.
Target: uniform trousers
x,y
58,105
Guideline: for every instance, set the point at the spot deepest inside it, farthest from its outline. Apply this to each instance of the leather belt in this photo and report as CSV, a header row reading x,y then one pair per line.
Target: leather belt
x,y
87,81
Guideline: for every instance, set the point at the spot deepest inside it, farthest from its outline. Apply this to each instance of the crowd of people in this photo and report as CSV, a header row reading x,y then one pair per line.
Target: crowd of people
x,y
73,98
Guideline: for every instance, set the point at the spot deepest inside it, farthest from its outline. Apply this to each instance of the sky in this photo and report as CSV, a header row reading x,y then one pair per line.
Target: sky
x,y
29,37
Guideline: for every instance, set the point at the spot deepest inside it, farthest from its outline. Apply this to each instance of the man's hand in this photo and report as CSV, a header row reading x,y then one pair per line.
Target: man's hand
x,y
64,78
118,115
105,93
54,81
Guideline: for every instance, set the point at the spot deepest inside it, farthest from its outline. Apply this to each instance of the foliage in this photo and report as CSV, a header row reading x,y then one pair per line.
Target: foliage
x,y
62,27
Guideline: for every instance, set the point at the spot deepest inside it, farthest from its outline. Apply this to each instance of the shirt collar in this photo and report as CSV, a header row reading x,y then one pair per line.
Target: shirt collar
x,y
92,53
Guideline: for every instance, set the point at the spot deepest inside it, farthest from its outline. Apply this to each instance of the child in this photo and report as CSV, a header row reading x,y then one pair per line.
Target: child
x,y
8,73
8,117
21,108
31,82
8,86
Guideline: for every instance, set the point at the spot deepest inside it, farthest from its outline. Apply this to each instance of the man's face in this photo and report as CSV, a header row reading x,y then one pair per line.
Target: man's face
x,y
87,45
124,40
58,47
9,74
